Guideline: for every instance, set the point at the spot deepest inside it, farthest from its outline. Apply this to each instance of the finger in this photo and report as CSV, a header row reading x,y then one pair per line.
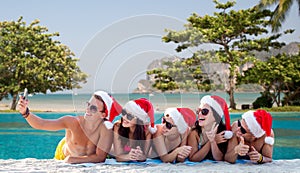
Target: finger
x,y
252,153
221,133
138,147
181,156
213,126
242,140
253,148
216,128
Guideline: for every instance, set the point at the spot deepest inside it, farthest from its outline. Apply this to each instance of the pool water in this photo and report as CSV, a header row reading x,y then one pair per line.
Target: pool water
x,y
18,140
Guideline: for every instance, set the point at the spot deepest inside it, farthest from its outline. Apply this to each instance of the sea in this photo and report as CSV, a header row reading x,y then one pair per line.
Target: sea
x,y
18,140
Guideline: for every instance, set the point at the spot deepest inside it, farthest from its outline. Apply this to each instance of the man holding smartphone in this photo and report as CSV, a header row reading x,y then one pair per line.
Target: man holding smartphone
x,y
88,138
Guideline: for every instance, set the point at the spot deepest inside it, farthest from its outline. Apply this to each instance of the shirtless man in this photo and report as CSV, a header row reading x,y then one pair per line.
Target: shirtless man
x,y
254,138
88,138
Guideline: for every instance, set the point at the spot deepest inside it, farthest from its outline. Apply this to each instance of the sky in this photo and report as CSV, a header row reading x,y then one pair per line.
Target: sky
x,y
116,40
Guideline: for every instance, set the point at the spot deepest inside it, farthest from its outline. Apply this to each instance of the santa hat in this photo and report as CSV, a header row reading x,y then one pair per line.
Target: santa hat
x,y
182,118
143,109
220,106
113,108
259,123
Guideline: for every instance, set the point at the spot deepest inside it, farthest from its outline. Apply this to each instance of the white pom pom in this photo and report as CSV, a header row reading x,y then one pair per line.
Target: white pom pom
x,y
228,134
152,129
269,140
108,124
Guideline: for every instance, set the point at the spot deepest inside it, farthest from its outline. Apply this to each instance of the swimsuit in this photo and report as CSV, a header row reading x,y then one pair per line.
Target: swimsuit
x,y
59,154
127,148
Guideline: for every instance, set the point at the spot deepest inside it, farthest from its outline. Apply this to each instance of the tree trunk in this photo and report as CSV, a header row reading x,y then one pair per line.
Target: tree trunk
x,y
231,92
14,102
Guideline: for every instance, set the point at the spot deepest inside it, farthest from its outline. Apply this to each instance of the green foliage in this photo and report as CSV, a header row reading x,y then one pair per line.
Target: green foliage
x,y
279,74
236,33
30,57
280,11
184,74
265,100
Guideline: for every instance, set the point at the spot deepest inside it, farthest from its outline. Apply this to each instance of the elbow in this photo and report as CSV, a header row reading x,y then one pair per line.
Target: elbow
x,y
230,160
101,160
193,159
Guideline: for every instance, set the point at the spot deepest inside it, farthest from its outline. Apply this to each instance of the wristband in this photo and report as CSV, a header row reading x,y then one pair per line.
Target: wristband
x,y
26,113
260,159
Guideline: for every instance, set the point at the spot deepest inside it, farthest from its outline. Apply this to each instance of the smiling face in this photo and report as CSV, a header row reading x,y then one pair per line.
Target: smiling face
x,y
169,127
244,131
205,115
95,109
128,119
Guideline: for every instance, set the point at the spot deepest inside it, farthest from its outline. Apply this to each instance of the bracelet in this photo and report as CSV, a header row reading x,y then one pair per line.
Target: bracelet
x,y
26,113
261,158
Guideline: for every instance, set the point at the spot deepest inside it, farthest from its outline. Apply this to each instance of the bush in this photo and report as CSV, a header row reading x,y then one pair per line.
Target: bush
x,y
265,100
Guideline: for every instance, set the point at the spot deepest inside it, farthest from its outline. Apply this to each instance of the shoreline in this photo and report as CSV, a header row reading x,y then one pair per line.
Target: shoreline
x,y
51,165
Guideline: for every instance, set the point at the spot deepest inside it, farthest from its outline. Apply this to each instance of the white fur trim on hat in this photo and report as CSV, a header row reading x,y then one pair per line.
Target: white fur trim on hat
x,y
107,100
152,129
228,134
252,124
212,103
108,124
135,109
177,119
269,140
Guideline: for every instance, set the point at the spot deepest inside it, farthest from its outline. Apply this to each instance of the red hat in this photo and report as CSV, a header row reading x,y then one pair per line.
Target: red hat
x,y
259,123
220,106
182,117
113,108
143,109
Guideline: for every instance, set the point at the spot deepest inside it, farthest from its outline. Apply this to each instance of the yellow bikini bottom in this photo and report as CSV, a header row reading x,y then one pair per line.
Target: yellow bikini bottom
x,y
59,154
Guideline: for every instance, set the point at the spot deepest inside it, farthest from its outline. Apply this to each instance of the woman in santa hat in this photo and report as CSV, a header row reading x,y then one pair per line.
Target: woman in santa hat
x,y
209,137
170,140
254,138
132,134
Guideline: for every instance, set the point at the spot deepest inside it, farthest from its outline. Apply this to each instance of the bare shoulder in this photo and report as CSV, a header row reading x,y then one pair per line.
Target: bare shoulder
x,y
159,130
272,133
116,126
104,128
193,133
70,120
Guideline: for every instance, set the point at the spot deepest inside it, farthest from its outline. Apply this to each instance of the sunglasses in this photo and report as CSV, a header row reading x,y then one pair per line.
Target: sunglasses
x,y
93,108
241,127
168,124
128,115
203,111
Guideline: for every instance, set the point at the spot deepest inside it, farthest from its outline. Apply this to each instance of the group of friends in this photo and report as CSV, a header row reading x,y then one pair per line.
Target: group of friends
x,y
183,133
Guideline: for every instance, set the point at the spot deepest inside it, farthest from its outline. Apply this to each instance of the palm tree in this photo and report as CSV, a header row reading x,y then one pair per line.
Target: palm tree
x,y
280,12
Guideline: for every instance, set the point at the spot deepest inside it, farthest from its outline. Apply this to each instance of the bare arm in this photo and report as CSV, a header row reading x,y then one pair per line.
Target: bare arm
x,y
118,149
231,154
44,124
197,155
183,154
266,152
211,135
160,146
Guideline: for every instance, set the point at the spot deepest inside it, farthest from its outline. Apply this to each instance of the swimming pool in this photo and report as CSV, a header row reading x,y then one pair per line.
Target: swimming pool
x,y
18,140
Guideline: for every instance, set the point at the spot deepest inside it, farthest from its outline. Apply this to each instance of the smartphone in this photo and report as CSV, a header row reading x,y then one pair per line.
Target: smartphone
x,y
25,94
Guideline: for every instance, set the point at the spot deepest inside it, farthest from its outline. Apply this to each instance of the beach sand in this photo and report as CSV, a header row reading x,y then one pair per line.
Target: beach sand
x,y
50,165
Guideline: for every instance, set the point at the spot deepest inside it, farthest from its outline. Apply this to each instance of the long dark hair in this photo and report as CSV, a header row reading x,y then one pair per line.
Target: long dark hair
x,y
222,127
139,135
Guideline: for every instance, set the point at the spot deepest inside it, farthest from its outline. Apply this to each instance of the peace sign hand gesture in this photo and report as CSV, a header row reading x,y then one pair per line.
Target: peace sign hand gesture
x,y
212,133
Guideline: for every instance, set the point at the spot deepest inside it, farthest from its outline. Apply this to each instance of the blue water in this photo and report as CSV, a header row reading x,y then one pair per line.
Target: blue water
x,y
18,140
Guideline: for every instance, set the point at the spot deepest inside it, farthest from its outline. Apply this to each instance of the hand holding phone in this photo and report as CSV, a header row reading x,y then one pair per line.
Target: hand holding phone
x,y
24,110
25,94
